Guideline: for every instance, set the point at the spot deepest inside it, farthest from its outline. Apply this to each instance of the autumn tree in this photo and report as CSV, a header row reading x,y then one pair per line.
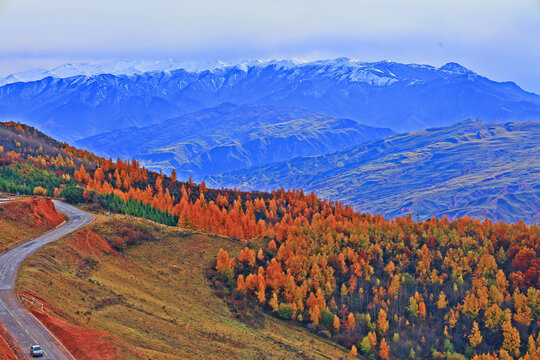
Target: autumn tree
x,y
512,341
337,323
475,337
351,322
442,302
382,322
384,351
354,352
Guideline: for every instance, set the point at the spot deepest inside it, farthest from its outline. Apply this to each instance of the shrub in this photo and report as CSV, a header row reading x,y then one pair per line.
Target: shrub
x,y
448,347
73,194
365,345
38,190
408,281
285,311
327,318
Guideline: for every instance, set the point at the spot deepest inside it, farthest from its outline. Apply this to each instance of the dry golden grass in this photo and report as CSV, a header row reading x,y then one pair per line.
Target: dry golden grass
x,y
156,298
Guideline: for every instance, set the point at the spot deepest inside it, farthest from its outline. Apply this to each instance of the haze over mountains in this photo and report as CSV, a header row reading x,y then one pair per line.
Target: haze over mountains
x,y
402,97
230,137
471,168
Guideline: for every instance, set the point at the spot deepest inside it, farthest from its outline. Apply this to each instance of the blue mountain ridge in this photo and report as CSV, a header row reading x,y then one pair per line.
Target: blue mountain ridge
x,y
471,168
403,97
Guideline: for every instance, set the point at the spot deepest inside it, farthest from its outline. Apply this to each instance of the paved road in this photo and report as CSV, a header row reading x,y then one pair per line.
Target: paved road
x,y
23,327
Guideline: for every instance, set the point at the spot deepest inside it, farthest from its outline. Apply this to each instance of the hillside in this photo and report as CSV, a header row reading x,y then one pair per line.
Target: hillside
x,y
469,169
152,300
230,137
25,219
386,288
403,97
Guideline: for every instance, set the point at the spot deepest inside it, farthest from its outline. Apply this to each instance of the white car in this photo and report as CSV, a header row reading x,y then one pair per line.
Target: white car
x,y
36,351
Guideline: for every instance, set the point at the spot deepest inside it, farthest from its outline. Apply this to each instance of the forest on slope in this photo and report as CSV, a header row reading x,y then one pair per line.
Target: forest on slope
x,y
376,285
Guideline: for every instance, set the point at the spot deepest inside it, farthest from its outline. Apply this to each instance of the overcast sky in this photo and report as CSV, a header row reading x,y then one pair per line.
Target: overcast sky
x,y
496,38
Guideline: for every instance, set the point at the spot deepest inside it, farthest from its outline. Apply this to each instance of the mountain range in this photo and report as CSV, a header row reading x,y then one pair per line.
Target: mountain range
x,y
115,67
230,137
403,97
471,168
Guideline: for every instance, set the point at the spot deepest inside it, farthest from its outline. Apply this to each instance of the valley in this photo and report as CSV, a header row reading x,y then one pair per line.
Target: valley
x,y
260,180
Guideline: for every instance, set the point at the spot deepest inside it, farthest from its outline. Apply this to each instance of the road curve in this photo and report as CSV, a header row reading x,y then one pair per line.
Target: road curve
x,y
23,327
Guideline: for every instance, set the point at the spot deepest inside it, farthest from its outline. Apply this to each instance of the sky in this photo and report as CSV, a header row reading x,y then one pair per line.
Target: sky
x,y
499,39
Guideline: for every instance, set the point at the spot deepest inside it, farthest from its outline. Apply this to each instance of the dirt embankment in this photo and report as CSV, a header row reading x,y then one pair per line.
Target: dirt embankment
x,y
26,218
8,349
45,213
82,343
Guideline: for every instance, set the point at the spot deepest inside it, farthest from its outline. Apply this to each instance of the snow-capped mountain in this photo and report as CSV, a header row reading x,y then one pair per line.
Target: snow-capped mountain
x,y
353,69
403,97
131,67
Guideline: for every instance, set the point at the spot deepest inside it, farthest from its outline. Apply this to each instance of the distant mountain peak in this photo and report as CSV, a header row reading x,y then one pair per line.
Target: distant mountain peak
x,y
456,68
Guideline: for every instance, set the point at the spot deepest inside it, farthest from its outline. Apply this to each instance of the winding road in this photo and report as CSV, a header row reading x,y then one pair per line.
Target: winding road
x,y
23,327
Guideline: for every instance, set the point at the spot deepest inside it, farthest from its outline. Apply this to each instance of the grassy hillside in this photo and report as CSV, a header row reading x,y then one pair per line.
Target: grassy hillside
x,y
24,219
153,300
471,168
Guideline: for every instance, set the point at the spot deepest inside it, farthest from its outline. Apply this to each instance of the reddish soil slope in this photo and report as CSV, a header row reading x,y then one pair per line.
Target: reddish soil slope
x,y
26,218
8,349
82,343
38,212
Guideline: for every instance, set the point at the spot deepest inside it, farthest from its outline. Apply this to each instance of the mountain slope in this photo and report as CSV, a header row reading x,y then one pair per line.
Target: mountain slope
x,y
230,137
471,168
153,299
385,94
25,219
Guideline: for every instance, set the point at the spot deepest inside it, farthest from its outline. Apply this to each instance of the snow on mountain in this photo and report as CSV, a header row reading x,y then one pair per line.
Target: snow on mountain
x,y
344,68
403,97
116,67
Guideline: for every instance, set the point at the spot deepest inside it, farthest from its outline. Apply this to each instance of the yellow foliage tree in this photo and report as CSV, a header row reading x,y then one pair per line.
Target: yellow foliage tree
x,y
442,302
511,342
475,338
337,323
382,322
